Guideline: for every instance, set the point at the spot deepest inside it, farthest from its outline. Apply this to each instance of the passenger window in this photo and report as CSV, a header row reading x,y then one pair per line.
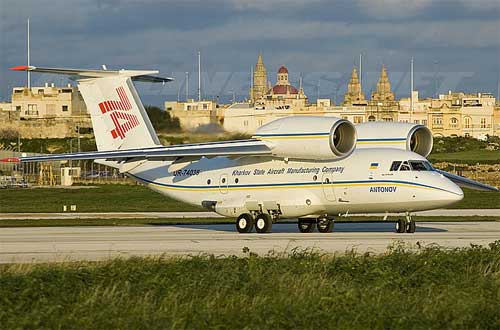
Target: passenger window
x,y
395,165
405,166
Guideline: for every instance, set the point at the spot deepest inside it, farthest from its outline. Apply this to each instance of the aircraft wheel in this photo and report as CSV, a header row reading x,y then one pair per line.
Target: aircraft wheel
x,y
244,223
400,226
263,223
306,225
324,225
411,227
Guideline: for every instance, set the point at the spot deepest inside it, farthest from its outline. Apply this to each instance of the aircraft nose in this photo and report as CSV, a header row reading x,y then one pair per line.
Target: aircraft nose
x,y
455,193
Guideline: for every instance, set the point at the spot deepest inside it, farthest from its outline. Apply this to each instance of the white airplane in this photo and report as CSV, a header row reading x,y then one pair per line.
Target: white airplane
x,y
305,167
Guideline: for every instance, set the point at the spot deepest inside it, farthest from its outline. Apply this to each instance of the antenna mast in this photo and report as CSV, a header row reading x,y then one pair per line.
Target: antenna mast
x,y
28,46
360,71
411,87
199,76
187,85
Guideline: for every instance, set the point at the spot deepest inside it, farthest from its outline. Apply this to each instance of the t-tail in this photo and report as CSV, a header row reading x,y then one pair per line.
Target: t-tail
x,y
119,119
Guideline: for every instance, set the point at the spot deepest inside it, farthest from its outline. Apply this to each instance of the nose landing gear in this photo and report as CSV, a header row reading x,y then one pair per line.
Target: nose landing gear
x,y
406,225
323,223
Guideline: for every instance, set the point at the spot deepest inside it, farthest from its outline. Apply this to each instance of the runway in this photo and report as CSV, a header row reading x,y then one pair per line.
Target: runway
x,y
54,244
183,215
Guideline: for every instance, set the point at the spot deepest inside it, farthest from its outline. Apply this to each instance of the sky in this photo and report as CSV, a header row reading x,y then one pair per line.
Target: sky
x,y
455,44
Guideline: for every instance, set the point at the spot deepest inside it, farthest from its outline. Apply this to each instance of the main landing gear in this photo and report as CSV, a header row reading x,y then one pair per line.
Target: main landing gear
x,y
406,225
263,223
323,223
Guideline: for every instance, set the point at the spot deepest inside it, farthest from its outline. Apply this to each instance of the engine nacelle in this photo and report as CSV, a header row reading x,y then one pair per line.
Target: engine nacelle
x,y
309,137
412,137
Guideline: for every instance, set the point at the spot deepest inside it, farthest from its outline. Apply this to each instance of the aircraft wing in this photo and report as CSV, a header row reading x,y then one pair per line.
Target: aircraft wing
x,y
211,149
466,182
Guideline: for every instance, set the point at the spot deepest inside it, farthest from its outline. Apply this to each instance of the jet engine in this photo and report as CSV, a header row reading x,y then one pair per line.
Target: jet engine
x,y
412,137
309,137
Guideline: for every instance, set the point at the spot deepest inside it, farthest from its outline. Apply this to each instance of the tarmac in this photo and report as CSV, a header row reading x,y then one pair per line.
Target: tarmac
x,y
181,215
56,244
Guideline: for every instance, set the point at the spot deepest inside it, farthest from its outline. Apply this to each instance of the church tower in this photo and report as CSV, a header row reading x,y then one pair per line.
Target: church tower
x,y
259,80
354,94
383,92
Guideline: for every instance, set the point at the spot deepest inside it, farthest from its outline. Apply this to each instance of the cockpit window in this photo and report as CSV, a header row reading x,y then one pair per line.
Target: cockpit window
x,y
420,165
405,166
411,165
395,165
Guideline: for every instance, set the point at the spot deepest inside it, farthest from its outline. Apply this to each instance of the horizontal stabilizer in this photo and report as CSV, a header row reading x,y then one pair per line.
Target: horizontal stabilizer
x,y
229,148
136,75
467,183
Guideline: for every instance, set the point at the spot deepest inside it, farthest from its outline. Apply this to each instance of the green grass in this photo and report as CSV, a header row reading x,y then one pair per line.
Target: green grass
x,y
104,198
201,221
467,157
474,199
431,288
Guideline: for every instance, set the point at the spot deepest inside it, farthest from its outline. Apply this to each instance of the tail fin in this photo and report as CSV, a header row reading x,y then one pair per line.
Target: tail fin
x,y
118,117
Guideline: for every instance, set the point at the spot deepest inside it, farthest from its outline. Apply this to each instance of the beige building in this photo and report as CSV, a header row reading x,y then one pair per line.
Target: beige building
x,y
354,95
259,80
5,106
460,114
48,102
496,119
194,114
45,112
453,114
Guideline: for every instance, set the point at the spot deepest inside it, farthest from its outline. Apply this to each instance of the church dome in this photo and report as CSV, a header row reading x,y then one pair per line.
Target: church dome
x,y
284,89
283,70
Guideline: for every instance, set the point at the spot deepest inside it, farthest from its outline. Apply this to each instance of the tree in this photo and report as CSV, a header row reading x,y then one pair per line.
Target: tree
x,y
162,121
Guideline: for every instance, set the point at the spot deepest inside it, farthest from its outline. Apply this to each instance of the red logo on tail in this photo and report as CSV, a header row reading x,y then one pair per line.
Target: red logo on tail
x,y
123,121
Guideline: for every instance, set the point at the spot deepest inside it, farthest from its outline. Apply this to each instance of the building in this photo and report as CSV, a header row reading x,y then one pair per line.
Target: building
x,y
5,106
45,112
453,114
194,114
48,102
259,80
354,95
460,114
496,119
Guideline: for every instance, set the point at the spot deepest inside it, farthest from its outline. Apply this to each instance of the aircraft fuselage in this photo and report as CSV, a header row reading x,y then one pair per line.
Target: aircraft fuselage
x,y
360,183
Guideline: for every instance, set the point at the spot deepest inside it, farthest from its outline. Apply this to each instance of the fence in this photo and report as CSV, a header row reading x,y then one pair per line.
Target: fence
x,y
49,173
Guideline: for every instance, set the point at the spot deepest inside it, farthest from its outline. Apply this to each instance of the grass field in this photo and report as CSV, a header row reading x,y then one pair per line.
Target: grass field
x,y
428,289
136,198
467,157
104,198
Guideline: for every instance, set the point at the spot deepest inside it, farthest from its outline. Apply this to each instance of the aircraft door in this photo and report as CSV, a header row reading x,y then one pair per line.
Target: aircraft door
x,y
328,187
223,184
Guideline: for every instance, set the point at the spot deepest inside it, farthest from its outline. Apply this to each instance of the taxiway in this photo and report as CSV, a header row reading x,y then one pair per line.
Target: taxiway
x,y
53,244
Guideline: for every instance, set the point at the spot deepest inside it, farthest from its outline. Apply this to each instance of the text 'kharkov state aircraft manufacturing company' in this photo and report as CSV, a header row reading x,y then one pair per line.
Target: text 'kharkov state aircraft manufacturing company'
x,y
305,167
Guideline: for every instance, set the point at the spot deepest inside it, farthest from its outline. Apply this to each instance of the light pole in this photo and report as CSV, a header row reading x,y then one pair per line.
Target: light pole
x,y
234,95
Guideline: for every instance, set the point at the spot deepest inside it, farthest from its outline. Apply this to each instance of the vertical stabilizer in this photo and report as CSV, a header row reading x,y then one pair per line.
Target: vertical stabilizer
x,y
118,116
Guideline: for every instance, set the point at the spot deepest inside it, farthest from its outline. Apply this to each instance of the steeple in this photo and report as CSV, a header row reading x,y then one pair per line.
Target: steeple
x,y
384,92
259,80
354,94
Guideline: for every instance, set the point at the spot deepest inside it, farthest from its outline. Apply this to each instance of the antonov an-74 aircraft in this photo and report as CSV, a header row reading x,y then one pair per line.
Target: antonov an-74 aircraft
x,y
305,167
